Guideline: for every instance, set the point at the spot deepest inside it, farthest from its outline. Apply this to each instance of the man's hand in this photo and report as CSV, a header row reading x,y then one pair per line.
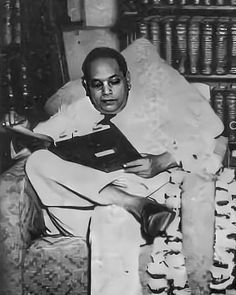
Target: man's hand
x,y
12,118
150,165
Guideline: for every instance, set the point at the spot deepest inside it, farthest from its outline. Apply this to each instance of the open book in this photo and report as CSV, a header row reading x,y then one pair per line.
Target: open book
x,y
105,150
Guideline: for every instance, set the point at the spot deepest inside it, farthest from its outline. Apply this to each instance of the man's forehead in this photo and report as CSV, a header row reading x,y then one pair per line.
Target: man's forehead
x,y
104,67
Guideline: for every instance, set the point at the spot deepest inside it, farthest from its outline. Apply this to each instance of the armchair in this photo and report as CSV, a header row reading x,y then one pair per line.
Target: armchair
x,y
33,262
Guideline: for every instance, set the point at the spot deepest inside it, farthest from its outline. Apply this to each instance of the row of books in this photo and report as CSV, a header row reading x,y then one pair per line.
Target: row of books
x,y
223,101
190,2
192,45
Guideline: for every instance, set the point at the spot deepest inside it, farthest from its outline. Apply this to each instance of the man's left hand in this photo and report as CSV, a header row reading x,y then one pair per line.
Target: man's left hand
x,y
150,165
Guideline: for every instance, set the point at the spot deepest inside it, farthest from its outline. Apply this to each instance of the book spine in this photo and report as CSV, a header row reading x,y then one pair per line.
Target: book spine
x,y
130,37
208,2
183,2
156,2
221,47
145,2
155,32
181,34
17,23
207,47
168,39
142,29
231,115
196,2
232,46
218,102
220,2
194,45
171,2
7,23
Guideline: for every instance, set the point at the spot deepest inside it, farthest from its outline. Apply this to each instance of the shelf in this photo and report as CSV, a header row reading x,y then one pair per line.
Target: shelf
x,y
193,9
211,78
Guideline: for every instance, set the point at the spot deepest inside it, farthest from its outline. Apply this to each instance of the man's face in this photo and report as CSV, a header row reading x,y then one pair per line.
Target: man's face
x,y
107,86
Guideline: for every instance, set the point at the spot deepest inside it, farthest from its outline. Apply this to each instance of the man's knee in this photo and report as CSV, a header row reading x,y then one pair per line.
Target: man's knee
x,y
39,163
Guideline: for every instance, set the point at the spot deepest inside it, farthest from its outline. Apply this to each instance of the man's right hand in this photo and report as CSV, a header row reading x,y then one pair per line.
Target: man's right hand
x,y
12,118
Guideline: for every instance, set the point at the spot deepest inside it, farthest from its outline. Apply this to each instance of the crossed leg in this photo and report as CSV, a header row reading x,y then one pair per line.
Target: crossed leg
x,y
70,191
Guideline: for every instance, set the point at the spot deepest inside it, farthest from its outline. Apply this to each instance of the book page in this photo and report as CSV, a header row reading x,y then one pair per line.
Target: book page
x,y
26,132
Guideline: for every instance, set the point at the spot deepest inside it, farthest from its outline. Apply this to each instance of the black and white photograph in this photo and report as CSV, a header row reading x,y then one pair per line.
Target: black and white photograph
x,y
117,147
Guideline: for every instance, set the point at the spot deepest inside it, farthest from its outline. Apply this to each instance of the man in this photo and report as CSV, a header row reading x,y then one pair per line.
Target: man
x,y
69,190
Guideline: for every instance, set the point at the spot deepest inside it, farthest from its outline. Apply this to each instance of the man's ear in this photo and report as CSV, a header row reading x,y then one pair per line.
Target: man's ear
x,y
86,87
128,79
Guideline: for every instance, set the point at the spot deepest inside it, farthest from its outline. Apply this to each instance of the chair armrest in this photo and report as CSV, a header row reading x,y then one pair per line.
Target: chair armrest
x,y
11,244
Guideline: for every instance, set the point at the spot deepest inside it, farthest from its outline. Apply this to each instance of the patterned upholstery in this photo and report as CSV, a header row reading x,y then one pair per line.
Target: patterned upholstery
x,y
11,244
56,265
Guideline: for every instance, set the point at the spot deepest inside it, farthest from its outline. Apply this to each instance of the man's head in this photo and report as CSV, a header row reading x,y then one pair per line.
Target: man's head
x,y
106,79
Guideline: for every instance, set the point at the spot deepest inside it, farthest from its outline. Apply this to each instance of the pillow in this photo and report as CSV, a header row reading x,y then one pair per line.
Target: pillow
x,y
181,118
66,95
181,105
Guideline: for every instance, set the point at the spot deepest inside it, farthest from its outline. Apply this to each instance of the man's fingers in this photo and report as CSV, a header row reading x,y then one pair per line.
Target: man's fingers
x,y
11,119
6,121
138,162
140,167
12,116
141,173
133,169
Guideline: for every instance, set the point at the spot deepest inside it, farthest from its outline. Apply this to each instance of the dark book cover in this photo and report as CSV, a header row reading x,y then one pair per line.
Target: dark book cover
x,y
207,37
221,48
231,114
193,34
232,46
106,150
218,101
130,37
181,38
168,39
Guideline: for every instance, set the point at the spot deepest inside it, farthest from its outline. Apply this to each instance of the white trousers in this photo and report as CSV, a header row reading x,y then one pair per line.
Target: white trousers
x,y
70,191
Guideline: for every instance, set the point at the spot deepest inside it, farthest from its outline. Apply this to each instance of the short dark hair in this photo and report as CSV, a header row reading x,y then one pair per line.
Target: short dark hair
x,y
103,52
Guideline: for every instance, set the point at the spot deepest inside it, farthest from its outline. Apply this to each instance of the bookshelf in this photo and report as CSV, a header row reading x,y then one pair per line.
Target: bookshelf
x,y
198,38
